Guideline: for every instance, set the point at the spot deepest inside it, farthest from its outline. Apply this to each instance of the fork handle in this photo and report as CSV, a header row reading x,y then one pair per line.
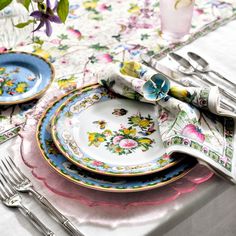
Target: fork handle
x,y
36,222
65,222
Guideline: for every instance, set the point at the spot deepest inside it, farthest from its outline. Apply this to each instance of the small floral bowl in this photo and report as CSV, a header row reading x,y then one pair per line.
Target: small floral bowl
x,y
156,87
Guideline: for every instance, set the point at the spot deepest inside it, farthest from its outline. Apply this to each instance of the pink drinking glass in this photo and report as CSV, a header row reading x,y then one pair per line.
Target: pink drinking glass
x,y
176,18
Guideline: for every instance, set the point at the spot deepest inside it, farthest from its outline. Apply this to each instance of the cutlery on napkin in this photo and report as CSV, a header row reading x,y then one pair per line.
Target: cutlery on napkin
x,y
217,104
187,68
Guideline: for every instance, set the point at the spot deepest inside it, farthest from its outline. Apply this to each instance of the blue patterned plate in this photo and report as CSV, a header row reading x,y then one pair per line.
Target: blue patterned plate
x,y
23,77
95,181
106,134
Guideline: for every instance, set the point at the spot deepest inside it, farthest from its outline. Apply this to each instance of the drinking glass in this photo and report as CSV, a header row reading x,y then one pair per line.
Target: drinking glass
x,y
176,18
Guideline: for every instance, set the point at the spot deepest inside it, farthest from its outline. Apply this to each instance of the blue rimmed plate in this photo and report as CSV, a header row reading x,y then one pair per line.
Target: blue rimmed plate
x,y
23,76
99,182
110,135
95,181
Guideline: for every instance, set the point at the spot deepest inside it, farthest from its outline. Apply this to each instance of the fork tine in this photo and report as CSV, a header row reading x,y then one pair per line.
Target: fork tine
x,y
15,168
14,179
2,192
9,189
9,179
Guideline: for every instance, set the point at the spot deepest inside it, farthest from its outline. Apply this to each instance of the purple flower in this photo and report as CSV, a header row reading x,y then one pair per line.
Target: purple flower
x,y
46,16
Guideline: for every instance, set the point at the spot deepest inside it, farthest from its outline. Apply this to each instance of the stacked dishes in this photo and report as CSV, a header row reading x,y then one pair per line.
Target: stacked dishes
x,y
99,140
91,136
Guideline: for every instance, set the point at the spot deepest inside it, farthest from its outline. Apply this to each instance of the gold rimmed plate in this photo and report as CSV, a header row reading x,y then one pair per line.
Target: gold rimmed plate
x,y
95,181
23,77
110,135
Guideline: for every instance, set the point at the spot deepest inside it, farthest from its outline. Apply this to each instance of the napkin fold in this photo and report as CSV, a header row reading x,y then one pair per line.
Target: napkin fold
x,y
190,118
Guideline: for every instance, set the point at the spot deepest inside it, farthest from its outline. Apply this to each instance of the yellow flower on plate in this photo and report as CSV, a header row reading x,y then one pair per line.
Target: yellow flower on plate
x,y
130,132
145,141
144,123
2,69
101,139
91,137
21,87
9,83
118,149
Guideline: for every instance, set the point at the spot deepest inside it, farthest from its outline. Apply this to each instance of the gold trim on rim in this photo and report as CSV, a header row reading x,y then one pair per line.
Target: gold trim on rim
x,y
37,95
65,154
80,183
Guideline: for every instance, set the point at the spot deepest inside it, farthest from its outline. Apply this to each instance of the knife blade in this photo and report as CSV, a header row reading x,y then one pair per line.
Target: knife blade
x,y
173,75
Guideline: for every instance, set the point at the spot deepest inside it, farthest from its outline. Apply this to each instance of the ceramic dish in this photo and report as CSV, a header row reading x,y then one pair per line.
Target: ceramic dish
x,y
100,182
23,76
106,134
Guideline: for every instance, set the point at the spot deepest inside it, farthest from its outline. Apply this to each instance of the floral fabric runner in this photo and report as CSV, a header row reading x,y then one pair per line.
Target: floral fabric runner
x,y
99,32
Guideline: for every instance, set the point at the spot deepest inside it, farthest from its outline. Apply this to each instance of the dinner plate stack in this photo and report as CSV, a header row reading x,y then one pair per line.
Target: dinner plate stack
x,y
99,140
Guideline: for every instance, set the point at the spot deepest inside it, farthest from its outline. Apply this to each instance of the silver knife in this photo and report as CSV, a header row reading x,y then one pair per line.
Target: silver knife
x,y
173,75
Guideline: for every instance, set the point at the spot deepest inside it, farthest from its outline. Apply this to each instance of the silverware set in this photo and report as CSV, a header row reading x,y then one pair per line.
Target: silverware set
x,y
13,181
187,68
196,66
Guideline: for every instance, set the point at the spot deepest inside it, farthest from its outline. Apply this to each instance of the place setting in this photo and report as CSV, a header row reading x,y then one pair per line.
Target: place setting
x,y
95,129
99,140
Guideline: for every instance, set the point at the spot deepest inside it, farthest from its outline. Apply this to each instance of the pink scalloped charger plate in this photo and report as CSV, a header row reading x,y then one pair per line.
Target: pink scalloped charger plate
x,y
89,197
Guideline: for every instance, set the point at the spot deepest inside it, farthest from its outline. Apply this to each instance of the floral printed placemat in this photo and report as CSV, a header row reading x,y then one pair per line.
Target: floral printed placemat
x,y
99,32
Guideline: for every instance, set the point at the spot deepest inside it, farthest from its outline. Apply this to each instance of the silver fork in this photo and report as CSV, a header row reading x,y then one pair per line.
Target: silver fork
x,y
22,184
11,198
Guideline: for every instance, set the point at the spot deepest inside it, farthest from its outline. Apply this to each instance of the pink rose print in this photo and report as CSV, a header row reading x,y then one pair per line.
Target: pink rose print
x,y
97,163
128,143
192,131
117,139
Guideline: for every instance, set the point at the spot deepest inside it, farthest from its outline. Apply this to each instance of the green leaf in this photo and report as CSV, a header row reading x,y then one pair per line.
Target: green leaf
x,y
4,3
63,10
26,3
23,24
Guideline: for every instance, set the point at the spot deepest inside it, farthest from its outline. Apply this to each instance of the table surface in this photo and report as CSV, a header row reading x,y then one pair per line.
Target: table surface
x,y
205,211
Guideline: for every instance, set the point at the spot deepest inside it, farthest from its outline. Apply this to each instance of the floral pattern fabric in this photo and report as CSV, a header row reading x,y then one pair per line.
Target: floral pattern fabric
x,y
99,32
183,127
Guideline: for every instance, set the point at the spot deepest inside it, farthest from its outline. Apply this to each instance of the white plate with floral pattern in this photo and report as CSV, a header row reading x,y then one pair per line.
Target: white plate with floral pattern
x,y
106,134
